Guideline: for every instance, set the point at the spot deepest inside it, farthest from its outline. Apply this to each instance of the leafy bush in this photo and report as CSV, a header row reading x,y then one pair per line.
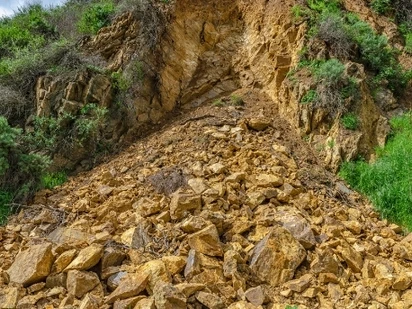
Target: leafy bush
x,y
387,182
381,6
350,121
408,42
309,97
331,29
329,72
96,17
20,168
51,180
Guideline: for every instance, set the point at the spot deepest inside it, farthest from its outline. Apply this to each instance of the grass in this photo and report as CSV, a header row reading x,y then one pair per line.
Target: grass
x,y
52,180
350,121
388,181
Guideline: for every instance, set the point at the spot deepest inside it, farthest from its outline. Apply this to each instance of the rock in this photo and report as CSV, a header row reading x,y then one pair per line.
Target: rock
x,y
269,180
157,271
56,280
168,297
256,295
198,185
87,258
130,286
89,302
81,282
36,287
259,124
325,262
299,285
182,203
32,265
217,168
243,305
193,224
114,280
127,303
147,303
63,261
188,289
30,301
112,257
351,257
11,297
276,257
210,300
298,227
147,207
67,235
255,199
174,264
192,264
206,241
403,282
236,177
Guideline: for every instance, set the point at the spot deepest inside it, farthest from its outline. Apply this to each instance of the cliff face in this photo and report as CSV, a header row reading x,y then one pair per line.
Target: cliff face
x,y
198,51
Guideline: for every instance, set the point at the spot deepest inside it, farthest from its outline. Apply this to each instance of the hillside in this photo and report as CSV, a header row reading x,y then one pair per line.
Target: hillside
x,y
204,138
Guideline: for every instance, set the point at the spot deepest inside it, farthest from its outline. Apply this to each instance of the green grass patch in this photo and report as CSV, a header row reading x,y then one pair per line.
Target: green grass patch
x,y
350,121
52,180
388,181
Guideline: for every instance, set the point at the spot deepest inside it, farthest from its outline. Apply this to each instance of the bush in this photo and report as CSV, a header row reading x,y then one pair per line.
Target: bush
x,y
408,42
96,17
20,168
387,182
52,180
332,31
350,121
329,72
381,6
309,97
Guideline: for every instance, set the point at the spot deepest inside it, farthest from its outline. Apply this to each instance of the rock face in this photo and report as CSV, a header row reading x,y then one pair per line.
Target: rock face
x,y
276,257
32,265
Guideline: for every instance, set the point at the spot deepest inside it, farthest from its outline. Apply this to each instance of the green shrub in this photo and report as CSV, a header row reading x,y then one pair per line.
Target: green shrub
x,y
408,42
309,97
329,72
381,6
20,168
350,121
387,182
96,17
51,180
236,100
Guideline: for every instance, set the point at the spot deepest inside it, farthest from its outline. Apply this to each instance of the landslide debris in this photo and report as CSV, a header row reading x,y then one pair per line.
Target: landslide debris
x,y
256,223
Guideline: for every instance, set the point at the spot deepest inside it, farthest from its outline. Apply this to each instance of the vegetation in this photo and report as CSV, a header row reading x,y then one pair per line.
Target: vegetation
x,y
348,38
350,121
387,181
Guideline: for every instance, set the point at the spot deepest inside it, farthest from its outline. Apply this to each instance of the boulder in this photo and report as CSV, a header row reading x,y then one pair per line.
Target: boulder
x,y
206,241
81,282
32,265
276,257
182,203
87,258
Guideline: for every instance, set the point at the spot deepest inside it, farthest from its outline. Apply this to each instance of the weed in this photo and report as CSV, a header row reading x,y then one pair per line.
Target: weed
x,y
309,97
218,103
236,100
51,180
350,121
381,6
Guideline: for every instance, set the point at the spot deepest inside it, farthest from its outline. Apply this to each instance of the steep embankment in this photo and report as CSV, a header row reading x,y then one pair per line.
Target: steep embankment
x,y
260,223
222,207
